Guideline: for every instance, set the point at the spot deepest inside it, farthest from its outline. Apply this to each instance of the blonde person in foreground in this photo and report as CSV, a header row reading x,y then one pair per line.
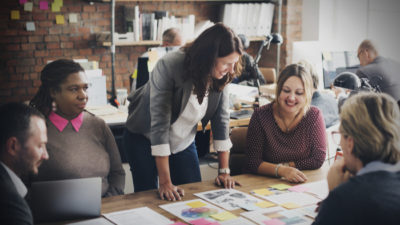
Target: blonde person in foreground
x,y
287,135
364,185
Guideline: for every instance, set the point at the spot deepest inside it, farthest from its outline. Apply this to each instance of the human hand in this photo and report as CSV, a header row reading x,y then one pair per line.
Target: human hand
x,y
170,192
226,180
292,174
337,174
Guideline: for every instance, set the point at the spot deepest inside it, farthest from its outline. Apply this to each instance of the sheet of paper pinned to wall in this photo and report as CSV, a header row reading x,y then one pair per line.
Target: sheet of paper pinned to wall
x,y
28,6
73,18
59,19
55,7
30,26
15,14
97,92
59,2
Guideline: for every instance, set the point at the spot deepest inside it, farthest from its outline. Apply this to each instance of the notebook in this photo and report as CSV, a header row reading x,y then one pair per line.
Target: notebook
x,y
66,199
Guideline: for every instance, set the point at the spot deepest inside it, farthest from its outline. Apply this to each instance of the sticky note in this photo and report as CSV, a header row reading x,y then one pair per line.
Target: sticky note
x,y
59,19
265,204
327,55
290,205
73,18
280,187
273,222
298,188
59,2
263,191
196,204
28,6
200,221
43,5
30,26
22,1
55,7
14,14
223,216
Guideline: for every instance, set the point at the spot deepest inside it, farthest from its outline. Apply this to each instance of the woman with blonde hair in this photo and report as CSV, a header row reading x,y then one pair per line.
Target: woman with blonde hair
x,y
287,135
364,185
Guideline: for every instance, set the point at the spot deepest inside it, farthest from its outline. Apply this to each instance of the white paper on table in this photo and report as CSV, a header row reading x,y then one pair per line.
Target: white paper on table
x,y
143,215
319,188
308,211
300,199
229,199
97,221
279,213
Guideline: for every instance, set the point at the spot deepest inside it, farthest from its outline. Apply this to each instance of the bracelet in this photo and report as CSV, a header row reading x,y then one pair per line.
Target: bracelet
x,y
276,169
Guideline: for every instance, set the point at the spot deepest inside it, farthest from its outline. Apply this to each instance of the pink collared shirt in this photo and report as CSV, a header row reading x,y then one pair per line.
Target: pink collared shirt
x,y
61,122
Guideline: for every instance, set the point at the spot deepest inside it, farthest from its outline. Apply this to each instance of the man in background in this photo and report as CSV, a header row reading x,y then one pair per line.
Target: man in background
x,y
379,70
23,138
172,37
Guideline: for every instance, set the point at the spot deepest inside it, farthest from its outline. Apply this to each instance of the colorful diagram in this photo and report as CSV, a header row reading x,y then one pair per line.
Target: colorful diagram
x,y
201,212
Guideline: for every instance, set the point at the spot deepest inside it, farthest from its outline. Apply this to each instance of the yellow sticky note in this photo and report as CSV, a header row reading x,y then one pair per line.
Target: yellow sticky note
x,y
59,2
290,205
153,56
223,216
263,191
327,55
280,187
55,7
59,19
15,14
265,204
196,204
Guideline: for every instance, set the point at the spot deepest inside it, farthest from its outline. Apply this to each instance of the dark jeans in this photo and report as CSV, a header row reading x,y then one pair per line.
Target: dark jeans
x,y
184,166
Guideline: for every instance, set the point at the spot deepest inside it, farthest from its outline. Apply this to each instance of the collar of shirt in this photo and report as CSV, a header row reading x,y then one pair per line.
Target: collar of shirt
x,y
61,122
19,185
379,166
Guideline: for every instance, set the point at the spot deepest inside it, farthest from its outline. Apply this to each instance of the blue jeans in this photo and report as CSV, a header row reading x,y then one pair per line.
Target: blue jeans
x,y
184,166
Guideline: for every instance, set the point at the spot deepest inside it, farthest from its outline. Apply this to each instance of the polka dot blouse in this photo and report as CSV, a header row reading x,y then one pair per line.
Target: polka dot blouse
x,y
305,145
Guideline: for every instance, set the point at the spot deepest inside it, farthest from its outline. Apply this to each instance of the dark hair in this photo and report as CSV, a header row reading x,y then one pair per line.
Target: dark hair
x,y
170,34
52,76
217,41
15,121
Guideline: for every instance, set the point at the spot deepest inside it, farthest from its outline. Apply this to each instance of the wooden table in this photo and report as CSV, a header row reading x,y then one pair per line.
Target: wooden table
x,y
150,198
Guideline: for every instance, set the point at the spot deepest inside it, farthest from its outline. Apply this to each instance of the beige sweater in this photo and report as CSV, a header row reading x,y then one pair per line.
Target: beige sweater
x,y
91,152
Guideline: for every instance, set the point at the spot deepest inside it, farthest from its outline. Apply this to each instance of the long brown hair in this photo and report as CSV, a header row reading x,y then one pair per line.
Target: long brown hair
x,y
215,42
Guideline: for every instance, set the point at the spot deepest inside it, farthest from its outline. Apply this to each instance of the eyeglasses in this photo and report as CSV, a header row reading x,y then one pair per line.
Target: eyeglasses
x,y
336,136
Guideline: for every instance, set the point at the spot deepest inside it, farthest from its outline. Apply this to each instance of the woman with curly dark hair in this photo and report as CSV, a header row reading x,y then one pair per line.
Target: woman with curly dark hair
x,y
185,87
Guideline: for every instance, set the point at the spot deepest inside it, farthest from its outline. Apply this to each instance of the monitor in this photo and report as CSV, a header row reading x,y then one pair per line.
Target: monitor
x,y
336,62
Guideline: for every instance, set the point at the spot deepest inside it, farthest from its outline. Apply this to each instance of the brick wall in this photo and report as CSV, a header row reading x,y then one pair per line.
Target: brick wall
x,y
23,53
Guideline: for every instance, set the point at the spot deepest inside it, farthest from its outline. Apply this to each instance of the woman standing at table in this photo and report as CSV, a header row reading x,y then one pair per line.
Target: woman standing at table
x,y
185,87
79,144
287,135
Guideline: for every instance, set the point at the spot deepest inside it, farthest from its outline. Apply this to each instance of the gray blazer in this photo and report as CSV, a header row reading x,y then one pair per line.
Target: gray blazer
x,y
389,70
159,103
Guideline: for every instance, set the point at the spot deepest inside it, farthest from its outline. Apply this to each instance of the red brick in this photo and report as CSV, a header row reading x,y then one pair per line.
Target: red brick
x,y
85,52
13,47
71,52
67,45
22,69
5,92
39,16
39,61
103,22
103,8
84,16
40,46
27,62
52,38
16,77
34,39
55,52
36,83
45,24
74,8
19,91
12,62
33,90
10,32
37,69
24,54
89,8
55,30
41,53
97,15
84,30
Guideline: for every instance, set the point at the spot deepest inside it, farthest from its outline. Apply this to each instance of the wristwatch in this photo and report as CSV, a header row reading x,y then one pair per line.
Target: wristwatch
x,y
224,171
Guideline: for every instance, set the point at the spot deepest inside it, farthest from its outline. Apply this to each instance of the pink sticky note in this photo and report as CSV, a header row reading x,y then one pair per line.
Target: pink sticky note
x,y
44,5
200,221
273,222
22,1
298,188
178,223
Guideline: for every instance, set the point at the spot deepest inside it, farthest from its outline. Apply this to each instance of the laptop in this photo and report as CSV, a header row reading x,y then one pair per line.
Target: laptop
x,y
66,199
